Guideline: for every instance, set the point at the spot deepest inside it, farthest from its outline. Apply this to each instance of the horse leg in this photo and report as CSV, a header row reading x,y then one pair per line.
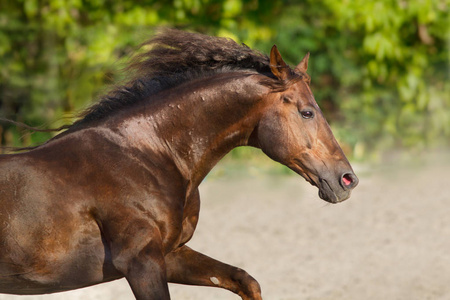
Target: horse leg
x,y
187,266
138,255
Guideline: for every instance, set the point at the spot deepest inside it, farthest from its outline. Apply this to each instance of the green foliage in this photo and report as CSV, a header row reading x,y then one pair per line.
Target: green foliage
x,y
56,55
403,97
380,69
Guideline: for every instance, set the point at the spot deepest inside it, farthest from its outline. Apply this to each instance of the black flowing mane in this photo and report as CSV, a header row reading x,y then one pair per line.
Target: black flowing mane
x,y
175,57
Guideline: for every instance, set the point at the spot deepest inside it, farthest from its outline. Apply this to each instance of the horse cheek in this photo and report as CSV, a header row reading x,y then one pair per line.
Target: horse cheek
x,y
272,139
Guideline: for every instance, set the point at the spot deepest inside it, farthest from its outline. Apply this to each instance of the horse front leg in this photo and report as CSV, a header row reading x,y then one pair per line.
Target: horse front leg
x,y
187,266
137,254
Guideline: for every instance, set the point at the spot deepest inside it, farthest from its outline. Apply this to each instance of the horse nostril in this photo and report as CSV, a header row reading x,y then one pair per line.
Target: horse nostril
x,y
349,180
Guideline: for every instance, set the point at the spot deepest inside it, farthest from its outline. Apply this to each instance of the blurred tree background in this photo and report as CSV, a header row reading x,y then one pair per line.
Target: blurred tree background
x,y
380,69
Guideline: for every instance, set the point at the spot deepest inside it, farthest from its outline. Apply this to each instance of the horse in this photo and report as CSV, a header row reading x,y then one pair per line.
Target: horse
x,y
116,193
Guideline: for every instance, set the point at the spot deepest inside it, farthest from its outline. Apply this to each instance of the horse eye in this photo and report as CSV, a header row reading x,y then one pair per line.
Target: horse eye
x,y
307,114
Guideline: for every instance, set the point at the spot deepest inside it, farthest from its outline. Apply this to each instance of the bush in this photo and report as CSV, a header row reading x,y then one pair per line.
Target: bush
x,y
379,68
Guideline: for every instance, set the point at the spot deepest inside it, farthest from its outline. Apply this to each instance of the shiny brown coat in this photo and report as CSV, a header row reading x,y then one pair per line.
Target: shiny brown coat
x,y
116,195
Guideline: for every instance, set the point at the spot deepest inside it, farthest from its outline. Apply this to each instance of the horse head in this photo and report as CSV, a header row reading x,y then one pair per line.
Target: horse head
x,y
293,131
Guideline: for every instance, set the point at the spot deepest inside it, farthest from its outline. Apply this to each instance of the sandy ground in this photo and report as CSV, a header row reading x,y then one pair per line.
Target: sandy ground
x,y
390,241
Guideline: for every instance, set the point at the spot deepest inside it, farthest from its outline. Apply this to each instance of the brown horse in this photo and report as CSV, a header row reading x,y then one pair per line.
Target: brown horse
x,y
116,194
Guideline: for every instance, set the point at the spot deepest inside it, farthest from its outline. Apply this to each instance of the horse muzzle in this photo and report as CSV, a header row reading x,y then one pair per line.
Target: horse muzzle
x,y
337,190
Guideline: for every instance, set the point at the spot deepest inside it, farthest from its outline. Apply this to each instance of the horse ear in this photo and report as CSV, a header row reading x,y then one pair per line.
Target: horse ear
x,y
303,65
277,65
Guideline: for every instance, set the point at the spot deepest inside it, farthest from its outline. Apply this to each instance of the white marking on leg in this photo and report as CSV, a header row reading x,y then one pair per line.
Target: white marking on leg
x,y
214,280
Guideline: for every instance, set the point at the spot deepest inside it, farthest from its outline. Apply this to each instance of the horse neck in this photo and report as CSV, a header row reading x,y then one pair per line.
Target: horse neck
x,y
196,124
